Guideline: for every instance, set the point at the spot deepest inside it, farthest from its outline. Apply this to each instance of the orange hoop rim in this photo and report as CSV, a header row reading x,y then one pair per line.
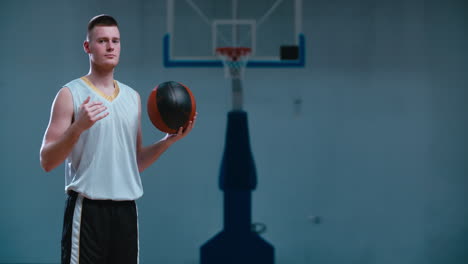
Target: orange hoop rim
x,y
233,53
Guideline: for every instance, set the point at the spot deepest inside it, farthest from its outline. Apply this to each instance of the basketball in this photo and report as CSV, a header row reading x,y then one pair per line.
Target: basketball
x,y
171,105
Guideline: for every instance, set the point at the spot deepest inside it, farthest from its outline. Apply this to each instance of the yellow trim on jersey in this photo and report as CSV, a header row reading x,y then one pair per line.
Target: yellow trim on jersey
x,y
109,98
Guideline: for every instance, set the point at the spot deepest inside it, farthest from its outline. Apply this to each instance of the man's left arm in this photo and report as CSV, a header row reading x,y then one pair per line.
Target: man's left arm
x,y
149,154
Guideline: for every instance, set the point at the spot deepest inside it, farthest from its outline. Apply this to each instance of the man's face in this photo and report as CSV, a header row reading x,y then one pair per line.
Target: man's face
x,y
103,46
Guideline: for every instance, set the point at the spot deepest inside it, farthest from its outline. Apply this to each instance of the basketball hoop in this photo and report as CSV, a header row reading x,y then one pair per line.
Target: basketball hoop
x,y
234,60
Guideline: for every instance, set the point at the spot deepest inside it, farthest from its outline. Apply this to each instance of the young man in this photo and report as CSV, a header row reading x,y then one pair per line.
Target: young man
x,y
95,128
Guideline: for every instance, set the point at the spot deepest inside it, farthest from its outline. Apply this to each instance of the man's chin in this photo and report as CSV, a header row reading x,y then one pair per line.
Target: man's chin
x,y
109,65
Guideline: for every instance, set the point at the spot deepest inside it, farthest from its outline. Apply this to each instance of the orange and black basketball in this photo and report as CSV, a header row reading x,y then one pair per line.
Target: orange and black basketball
x,y
171,105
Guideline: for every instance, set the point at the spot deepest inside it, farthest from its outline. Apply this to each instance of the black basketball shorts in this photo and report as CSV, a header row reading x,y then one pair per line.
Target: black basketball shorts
x,y
99,231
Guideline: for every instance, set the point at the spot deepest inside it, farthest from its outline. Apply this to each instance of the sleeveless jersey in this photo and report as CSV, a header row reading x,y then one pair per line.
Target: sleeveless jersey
x,y
102,165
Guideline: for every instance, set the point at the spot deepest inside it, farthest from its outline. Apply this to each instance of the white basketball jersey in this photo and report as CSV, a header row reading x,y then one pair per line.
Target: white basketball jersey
x,y
102,164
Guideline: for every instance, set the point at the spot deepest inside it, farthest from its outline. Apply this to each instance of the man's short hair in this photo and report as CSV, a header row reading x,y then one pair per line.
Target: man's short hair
x,y
101,20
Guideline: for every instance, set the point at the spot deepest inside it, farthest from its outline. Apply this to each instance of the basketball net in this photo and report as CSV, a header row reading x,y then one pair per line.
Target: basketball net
x,y
234,61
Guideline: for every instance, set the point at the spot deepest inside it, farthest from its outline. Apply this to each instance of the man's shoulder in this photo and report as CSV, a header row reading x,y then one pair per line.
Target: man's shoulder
x,y
73,83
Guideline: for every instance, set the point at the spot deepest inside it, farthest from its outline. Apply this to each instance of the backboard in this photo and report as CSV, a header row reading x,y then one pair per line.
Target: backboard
x,y
272,29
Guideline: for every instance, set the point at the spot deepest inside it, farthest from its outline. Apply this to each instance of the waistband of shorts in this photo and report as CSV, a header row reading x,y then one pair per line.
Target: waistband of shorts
x,y
74,194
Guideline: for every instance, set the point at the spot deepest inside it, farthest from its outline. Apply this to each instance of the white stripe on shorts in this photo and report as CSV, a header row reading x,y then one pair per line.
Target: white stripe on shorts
x,y
75,248
138,234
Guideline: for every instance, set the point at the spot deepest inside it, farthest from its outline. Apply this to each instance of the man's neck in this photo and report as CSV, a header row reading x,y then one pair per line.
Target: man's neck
x,y
102,79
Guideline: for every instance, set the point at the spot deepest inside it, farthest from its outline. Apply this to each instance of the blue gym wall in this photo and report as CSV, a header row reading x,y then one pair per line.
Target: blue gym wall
x,y
376,146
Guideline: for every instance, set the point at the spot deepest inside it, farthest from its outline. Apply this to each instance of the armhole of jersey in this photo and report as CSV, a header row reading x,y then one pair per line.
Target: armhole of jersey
x,y
73,103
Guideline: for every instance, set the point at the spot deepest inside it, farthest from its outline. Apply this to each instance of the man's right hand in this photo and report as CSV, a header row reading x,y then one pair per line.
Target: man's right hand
x,y
89,114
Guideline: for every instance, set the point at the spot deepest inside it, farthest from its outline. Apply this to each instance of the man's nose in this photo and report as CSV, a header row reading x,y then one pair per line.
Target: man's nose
x,y
110,46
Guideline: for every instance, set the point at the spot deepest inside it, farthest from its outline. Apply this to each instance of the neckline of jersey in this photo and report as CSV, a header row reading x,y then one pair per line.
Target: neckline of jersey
x,y
109,98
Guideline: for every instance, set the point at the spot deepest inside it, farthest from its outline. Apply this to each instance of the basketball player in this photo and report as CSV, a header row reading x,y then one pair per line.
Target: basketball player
x,y
95,128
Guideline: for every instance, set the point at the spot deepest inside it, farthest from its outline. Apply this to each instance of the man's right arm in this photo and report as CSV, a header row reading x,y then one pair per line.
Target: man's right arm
x,y
62,132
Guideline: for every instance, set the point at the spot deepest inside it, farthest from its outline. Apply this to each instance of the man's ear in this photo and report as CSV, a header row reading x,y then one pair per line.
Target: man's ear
x,y
86,46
